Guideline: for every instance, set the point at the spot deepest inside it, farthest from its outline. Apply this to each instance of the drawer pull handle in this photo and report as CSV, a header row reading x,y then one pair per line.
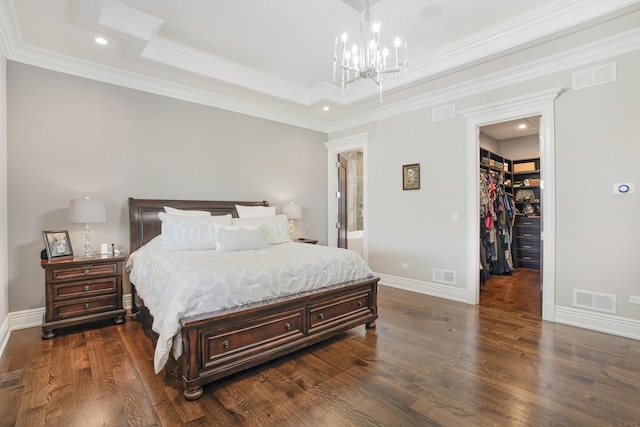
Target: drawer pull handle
x,y
320,316
287,326
527,258
527,247
225,344
87,305
527,235
87,271
359,303
87,287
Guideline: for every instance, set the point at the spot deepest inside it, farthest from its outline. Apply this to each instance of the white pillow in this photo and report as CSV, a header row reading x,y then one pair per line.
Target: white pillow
x,y
255,211
275,228
190,233
174,211
230,238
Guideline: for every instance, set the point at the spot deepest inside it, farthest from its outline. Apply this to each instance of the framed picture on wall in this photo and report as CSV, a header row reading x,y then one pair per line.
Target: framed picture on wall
x,y
411,177
57,245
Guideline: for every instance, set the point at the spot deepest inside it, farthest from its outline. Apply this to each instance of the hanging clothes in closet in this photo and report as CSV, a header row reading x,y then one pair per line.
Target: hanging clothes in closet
x,y
497,215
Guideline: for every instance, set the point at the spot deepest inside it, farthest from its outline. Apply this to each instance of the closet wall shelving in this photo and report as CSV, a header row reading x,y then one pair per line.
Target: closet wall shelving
x,y
517,181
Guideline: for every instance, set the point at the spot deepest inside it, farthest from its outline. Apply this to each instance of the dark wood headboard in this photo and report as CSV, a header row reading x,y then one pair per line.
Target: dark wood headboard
x,y
144,223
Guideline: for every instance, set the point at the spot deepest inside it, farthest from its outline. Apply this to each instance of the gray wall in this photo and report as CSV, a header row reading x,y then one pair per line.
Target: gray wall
x,y
596,146
71,137
524,147
4,287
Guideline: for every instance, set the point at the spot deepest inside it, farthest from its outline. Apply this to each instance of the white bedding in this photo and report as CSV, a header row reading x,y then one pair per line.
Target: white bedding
x,y
175,285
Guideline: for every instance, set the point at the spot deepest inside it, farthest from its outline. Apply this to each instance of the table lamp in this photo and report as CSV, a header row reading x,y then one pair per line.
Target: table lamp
x,y
292,212
86,211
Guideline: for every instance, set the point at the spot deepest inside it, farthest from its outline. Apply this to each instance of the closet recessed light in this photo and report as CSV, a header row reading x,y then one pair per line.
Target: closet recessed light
x,y
326,108
522,126
101,41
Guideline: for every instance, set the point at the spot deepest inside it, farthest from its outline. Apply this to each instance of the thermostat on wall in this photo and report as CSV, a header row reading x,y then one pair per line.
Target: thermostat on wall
x,y
623,188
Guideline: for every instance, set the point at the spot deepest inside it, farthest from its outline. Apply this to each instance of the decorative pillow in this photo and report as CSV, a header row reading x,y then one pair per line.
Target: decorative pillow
x,y
190,233
275,228
182,212
230,238
255,211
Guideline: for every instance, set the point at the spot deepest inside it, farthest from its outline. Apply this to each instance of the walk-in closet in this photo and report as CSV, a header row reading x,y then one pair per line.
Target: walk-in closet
x,y
510,215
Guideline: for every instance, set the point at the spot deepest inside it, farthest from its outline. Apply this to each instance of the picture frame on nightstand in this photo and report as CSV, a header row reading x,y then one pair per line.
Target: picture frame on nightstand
x,y
58,245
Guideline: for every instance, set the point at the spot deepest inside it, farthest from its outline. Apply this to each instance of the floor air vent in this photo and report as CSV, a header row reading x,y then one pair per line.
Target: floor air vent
x,y
594,300
444,276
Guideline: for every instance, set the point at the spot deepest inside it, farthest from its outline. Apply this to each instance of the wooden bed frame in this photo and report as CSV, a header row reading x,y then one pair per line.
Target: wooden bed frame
x,y
225,342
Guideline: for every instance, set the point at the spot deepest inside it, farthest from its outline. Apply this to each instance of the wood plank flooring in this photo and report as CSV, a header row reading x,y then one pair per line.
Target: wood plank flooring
x,y
518,292
429,362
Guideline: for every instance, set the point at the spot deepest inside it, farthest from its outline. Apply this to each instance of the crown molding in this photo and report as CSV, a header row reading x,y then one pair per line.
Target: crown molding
x,y
582,55
602,49
195,61
128,20
540,23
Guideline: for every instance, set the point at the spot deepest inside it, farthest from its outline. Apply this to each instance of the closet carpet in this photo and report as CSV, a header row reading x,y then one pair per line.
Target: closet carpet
x,y
428,362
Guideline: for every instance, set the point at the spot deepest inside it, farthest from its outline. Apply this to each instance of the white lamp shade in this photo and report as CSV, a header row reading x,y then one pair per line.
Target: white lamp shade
x,y
86,211
292,211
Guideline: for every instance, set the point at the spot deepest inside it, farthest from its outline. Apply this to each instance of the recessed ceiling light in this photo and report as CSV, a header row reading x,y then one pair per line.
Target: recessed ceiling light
x,y
522,126
101,40
326,108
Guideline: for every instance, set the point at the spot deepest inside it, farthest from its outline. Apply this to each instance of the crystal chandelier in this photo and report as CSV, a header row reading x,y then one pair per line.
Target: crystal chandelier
x,y
368,60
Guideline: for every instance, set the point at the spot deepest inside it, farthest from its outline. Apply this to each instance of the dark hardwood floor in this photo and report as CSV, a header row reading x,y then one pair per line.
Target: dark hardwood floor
x,y
429,362
517,292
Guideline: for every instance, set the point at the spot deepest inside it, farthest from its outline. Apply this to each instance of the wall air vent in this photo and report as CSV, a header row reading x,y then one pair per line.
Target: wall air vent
x,y
594,76
444,276
594,300
443,113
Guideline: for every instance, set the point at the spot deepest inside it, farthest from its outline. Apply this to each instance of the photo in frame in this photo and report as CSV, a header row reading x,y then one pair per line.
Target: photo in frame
x,y
58,245
411,177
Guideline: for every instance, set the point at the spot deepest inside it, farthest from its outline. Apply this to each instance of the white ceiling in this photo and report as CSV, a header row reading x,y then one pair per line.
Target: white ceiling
x,y
525,126
273,58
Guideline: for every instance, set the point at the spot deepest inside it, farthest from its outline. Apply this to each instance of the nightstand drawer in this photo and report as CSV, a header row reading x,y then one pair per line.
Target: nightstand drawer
x,y
84,271
75,308
84,289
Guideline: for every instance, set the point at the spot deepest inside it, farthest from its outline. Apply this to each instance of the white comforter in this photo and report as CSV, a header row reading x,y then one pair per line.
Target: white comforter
x,y
175,285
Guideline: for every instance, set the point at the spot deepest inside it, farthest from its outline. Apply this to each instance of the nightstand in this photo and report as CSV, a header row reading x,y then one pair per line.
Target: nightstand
x,y
304,240
82,290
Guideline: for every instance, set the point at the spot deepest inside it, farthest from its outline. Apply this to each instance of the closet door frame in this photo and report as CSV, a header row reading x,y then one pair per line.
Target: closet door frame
x,y
539,103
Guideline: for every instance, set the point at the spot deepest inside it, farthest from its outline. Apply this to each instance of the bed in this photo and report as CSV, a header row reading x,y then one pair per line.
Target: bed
x,y
214,343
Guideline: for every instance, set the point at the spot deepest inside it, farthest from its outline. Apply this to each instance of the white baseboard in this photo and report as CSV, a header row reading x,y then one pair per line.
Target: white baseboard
x,y
26,318
31,318
426,288
5,332
600,322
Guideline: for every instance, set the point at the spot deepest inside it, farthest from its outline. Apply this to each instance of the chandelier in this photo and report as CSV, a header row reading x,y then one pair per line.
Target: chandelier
x,y
368,60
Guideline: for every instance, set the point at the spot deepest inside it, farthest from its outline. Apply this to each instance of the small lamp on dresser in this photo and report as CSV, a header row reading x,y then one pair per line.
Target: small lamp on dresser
x,y
86,211
292,212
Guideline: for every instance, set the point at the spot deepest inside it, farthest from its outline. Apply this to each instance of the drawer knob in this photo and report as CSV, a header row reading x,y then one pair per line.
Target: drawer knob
x,y
87,287
320,316
359,303
87,271
225,344
287,326
86,305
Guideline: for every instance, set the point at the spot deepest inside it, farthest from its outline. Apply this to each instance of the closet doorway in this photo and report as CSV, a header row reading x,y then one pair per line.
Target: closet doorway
x,y
511,216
